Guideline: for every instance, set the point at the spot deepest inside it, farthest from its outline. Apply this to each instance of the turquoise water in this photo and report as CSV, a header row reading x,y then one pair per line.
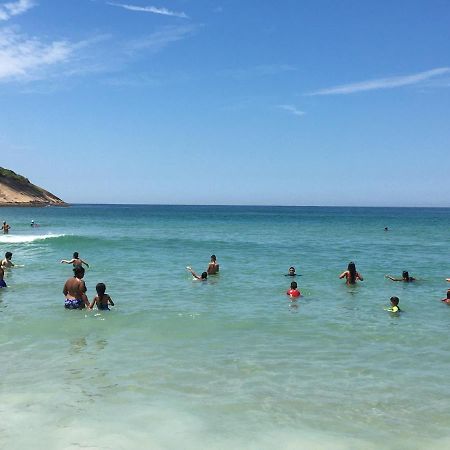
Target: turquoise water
x,y
229,363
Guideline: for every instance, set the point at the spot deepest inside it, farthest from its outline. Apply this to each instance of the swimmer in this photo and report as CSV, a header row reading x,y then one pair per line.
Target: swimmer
x,y
291,272
102,300
351,275
405,277
293,292
2,281
386,229
394,308
5,228
33,225
6,262
213,266
75,291
202,277
76,261
447,279
447,299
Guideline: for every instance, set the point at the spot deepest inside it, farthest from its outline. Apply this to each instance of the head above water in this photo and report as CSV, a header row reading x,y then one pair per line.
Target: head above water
x,y
448,294
204,275
405,275
78,272
213,258
75,255
100,288
291,270
294,285
394,301
8,255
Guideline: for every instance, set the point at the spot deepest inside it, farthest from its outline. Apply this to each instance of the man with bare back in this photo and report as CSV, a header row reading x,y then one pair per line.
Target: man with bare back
x,y
75,291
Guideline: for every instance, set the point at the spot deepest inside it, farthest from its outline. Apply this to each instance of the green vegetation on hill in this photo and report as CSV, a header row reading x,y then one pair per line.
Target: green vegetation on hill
x,y
13,175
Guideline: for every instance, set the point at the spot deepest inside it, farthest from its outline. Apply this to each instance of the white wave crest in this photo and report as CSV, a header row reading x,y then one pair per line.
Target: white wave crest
x,y
27,238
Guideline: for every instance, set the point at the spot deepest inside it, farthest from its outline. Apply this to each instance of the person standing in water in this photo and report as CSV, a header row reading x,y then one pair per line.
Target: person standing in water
x,y
351,275
76,261
75,291
6,262
102,300
5,228
213,266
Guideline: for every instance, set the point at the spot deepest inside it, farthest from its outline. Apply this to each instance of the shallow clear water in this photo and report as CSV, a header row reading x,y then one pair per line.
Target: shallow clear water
x,y
230,362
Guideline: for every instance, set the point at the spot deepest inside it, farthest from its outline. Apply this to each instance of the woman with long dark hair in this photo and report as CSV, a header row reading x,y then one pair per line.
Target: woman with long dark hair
x,y
351,275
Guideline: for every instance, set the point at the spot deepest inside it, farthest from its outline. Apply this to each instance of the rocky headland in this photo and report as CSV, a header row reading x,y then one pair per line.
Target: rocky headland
x,y
16,190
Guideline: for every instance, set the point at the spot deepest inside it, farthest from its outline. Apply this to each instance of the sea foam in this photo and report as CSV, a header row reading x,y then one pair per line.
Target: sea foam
x,y
27,238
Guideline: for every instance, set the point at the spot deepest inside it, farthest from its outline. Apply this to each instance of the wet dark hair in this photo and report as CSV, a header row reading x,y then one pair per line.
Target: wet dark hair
x,y
395,300
78,272
8,255
101,289
75,255
204,275
292,268
213,257
448,293
294,285
405,275
352,271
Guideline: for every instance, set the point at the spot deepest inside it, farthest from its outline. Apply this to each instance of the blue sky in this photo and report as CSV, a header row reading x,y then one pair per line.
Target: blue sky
x,y
228,102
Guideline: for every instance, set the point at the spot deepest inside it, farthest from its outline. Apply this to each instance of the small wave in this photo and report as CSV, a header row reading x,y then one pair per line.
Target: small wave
x,y
24,239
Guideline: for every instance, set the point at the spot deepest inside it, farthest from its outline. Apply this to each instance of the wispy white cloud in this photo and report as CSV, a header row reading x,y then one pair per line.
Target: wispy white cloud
x,y
263,70
292,109
150,9
10,9
382,83
21,57
160,39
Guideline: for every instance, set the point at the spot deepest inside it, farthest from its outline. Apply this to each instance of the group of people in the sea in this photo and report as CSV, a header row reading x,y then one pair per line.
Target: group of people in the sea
x,y
75,288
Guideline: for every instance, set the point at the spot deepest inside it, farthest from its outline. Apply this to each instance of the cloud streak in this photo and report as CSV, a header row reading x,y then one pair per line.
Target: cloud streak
x,y
10,9
160,39
150,9
382,83
21,57
292,109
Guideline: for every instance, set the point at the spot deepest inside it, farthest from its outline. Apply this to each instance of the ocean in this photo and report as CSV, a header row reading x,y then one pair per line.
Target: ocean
x,y
231,362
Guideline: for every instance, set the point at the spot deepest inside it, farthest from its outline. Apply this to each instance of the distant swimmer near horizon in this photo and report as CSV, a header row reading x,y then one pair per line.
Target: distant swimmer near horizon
x,y
405,277
202,277
351,275
76,261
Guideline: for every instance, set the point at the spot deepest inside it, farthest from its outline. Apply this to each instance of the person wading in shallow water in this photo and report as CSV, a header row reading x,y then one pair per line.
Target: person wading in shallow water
x,y
213,266
75,291
351,275
5,228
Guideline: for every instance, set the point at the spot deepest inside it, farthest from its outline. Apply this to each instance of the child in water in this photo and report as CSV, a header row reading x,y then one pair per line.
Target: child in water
x,y
394,305
293,292
447,299
102,300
